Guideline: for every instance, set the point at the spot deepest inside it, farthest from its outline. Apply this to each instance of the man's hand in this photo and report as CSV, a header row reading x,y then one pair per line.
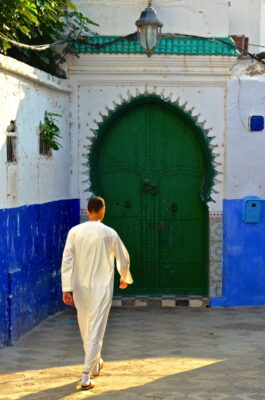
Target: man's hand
x,y
123,285
68,298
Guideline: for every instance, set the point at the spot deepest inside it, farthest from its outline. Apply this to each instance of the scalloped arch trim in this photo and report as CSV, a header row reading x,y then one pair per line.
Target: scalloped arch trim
x,y
187,112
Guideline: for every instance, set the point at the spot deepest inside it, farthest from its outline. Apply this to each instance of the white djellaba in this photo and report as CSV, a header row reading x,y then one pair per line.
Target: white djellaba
x,y
88,272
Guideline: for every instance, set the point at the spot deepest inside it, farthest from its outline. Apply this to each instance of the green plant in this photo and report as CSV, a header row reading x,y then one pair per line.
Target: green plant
x,y
39,22
49,131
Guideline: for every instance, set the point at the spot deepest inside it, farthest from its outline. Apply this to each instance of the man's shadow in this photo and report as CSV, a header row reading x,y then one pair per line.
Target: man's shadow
x,y
56,393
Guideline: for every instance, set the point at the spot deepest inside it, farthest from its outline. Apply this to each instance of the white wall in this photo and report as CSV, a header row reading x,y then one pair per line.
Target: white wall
x,y
198,17
245,150
117,17
246,17
262,31
26,93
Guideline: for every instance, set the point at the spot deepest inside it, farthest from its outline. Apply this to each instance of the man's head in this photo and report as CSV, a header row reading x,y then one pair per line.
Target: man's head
x,y
96,208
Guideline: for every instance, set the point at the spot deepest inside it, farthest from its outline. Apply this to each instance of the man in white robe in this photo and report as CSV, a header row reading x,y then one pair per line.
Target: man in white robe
x,y
87,280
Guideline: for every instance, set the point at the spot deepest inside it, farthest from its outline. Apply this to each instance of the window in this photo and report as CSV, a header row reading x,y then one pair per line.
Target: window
x,y
44,148
11,147
11,142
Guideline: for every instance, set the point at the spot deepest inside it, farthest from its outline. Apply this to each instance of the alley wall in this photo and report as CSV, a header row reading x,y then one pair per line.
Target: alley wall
x,y
244,243
36,206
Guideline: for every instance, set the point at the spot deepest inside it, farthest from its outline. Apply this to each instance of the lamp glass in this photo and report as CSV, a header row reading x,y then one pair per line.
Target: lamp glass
x,y
149,36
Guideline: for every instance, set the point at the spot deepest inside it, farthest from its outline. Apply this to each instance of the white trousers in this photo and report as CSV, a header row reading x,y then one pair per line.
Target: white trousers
x,y
92,314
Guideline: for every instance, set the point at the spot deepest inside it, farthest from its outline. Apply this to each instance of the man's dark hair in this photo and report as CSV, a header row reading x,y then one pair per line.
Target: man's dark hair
x,y
95,204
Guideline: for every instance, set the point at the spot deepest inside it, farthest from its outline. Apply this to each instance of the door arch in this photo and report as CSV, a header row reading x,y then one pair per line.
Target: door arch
x,y
152,164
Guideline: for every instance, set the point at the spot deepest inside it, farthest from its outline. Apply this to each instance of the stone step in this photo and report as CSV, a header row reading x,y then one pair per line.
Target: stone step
x,y
160,301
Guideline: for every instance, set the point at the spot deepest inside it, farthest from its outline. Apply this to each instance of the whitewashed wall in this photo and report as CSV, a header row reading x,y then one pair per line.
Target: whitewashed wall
x,y
26,93
99,81
117,17
198,17
246,17
245,150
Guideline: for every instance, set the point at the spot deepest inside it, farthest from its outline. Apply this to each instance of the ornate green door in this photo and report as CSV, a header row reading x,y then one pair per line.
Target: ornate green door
x,y
149,165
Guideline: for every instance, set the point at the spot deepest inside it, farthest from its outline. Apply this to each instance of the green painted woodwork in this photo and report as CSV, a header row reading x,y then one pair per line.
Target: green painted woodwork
x,y
151,163
167,45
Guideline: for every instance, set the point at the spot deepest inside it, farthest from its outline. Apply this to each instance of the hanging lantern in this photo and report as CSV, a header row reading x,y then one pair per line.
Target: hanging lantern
x,y
149,30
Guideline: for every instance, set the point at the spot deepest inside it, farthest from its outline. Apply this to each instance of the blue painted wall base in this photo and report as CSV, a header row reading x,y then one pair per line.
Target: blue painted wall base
x,y
32,239
243,259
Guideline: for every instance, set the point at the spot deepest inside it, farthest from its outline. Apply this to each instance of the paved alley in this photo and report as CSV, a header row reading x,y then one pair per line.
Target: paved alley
x,y
150,354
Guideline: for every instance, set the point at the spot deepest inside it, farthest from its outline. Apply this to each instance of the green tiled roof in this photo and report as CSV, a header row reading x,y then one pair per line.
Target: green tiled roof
x,y
167,45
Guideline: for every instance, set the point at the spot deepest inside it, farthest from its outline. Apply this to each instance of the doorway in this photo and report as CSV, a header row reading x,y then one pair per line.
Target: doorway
x,y
150,163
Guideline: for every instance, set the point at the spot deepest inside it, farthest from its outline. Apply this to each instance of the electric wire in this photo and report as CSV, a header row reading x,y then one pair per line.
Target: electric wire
x,y
43,47
256,45
233,45
37,47
131,36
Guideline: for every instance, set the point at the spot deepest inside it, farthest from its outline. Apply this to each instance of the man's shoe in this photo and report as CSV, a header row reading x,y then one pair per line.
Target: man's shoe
x,y
86,382
96,370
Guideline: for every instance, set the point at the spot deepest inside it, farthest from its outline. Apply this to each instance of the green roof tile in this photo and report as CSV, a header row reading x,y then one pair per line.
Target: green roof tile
x,y
167,45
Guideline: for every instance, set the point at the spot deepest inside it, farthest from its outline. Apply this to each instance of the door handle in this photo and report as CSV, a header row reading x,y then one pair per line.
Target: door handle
x,y
160,226
154,189
127,204
150,188
146,187
174,208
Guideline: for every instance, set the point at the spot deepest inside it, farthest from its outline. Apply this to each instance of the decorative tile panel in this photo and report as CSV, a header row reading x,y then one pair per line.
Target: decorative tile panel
x,y
215,253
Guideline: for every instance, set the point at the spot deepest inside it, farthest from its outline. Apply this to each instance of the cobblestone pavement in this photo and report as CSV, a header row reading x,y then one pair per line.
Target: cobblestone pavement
x,y
150,354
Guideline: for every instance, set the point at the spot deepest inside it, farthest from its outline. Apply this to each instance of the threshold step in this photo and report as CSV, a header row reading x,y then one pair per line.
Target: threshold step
x,y
160,301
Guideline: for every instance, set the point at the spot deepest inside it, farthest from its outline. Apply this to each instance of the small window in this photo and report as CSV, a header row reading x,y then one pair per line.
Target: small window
x,y
11,142
11,148
44,148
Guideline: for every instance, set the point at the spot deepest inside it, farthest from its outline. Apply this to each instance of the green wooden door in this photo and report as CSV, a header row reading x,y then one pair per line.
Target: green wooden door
x,y
149,167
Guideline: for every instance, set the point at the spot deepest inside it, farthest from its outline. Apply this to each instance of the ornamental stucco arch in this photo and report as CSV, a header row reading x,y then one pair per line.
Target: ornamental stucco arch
x,y
187,111
213,189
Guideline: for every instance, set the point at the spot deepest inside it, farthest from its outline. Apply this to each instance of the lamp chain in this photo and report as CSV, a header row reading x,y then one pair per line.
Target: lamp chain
x,y
149,3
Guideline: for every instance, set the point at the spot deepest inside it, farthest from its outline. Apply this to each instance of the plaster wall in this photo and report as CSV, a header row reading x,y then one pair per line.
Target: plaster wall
x,y
262,31
32,239
198,17
26,93
117,17
243,243
36,204
245,149
247,18
243,259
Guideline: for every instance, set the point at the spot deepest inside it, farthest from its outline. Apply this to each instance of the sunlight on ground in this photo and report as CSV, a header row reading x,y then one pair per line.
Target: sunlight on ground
x,y
62,382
